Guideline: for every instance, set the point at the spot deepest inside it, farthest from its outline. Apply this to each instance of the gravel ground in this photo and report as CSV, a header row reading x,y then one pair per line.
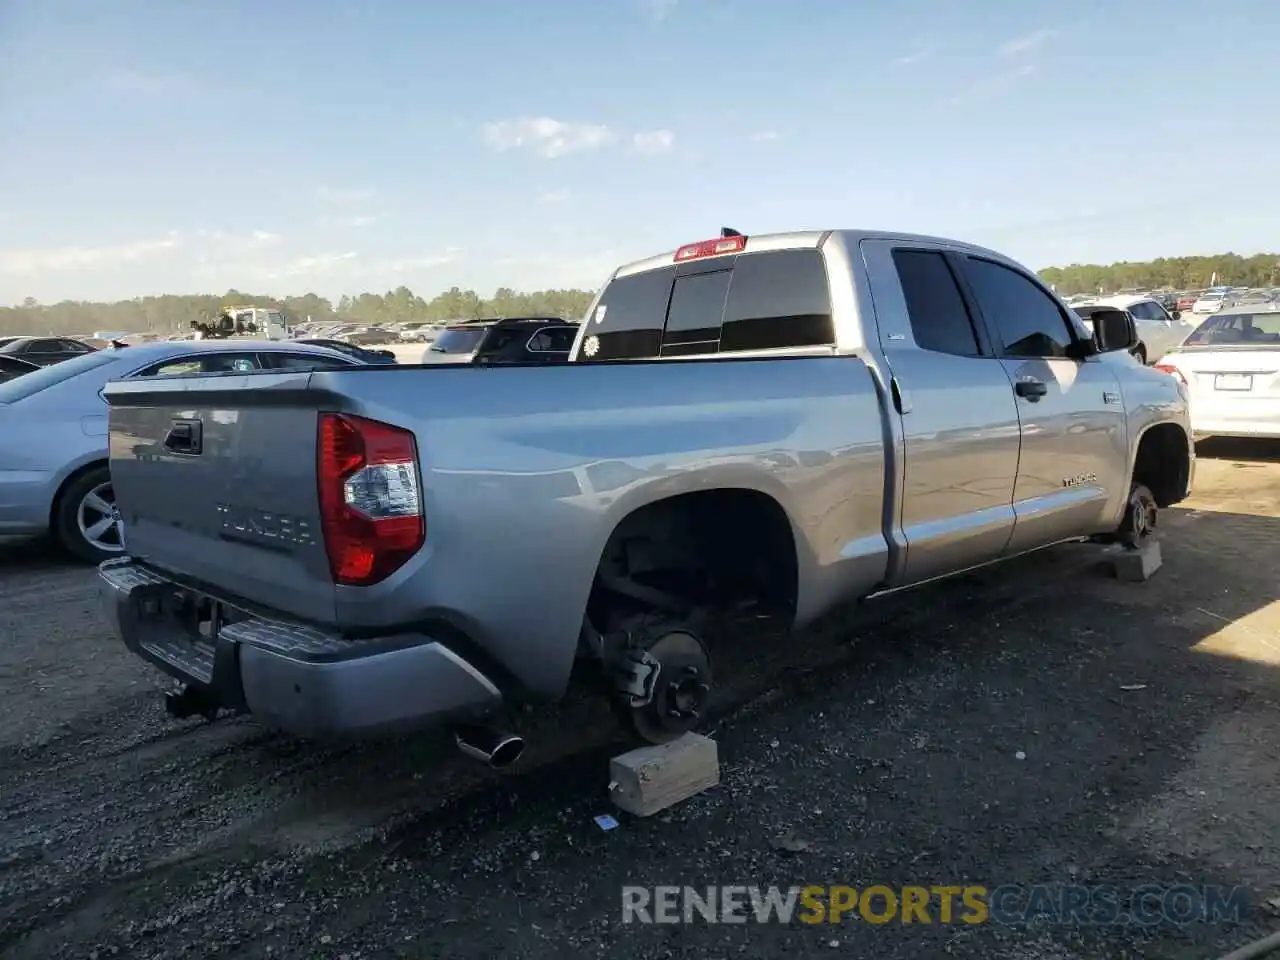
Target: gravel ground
x,y
976,731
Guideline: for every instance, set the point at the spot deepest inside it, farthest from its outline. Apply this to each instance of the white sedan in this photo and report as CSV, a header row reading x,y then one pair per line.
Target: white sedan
x,y
1231,366
1210,303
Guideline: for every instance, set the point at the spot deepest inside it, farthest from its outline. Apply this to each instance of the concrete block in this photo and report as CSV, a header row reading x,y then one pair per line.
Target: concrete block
x,y
1135,566
650,779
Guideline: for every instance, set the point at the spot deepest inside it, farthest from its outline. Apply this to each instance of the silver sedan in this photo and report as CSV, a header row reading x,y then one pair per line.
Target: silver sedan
x,y
54,475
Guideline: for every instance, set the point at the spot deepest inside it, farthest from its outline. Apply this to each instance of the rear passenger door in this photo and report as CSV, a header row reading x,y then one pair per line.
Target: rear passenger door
x,y
1074,430
956,407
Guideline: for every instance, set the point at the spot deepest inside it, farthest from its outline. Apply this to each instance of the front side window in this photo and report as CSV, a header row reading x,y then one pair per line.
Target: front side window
x,y
1026,319
459,340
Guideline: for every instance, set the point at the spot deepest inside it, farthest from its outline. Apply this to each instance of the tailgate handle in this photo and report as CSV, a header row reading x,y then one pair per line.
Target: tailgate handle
x,y
184,436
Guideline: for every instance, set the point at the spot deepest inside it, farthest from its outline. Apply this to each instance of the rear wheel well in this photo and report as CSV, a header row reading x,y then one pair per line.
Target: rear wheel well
x,y
709,548
1163,463
67,481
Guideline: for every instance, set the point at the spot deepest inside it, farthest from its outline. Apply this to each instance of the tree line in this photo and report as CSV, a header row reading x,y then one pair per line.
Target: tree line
x,y
1166,273
174,313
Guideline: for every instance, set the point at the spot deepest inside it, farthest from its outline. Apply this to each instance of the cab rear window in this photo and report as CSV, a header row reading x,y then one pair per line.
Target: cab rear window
x,y
760,301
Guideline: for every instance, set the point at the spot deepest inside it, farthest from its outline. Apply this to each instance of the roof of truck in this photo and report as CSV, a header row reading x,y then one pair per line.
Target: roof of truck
x,y
808,239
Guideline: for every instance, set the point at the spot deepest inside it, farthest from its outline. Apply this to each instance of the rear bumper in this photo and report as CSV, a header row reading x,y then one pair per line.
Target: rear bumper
x,y
292,676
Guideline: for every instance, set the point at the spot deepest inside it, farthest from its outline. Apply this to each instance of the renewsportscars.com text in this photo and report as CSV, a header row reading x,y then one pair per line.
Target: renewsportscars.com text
x,y
1008,904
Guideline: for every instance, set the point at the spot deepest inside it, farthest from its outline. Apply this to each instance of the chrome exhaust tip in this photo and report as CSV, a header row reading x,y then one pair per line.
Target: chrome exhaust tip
x,y
496,748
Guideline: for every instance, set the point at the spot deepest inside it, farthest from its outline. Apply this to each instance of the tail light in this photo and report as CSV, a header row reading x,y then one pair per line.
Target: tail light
x,y
1171,369
711,248
370,501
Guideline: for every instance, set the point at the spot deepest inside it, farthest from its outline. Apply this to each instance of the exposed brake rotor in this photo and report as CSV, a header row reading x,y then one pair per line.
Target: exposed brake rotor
x,y
677,686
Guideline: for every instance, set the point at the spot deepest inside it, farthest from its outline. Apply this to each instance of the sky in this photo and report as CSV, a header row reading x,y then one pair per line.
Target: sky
x,y
279,147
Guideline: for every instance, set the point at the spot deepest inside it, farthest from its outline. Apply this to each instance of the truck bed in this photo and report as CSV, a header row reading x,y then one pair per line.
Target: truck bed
x,y
525,471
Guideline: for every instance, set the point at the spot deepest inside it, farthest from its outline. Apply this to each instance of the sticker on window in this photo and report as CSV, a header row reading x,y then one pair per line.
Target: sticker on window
x,y
600,312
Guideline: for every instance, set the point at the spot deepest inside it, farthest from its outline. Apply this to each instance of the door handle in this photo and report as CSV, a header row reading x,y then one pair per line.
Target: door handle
x,y
185,436
1030,388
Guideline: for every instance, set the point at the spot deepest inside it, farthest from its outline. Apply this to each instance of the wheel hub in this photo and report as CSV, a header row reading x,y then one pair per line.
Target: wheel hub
x,y
680,690
99,521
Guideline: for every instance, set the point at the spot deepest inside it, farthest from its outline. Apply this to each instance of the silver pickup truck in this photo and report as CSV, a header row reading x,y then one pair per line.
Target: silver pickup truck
x,y
794,420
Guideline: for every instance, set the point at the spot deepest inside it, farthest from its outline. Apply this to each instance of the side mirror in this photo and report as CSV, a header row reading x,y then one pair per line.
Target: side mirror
x,y
1114,330
1176,314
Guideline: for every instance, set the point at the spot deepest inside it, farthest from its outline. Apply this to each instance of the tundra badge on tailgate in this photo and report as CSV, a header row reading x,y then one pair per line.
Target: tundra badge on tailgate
x,y
263,526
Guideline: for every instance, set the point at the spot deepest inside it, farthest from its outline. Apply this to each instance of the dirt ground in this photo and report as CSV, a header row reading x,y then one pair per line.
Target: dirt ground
x,y
1032,723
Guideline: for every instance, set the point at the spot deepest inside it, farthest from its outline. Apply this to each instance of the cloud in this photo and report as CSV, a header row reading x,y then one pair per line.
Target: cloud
x,y
568,269
346,194
548,138
554,196
360,220
30,262
658,10
764,136
309,265
990,86
347,265
653,141
917,56
1027,43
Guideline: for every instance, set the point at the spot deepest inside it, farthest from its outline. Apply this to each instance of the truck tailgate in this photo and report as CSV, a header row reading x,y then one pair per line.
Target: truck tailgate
x,y
215,479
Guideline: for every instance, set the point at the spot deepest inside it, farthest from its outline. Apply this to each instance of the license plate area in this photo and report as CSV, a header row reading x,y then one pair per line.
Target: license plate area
x,y
199,617
1234,382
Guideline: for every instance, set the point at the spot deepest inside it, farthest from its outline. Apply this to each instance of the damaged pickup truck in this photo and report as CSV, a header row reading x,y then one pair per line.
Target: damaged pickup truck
x,y
798,420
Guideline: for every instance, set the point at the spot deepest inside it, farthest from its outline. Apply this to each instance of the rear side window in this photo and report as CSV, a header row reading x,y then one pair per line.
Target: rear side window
x,y
1026,318
204,364
940,320
553,340
761,301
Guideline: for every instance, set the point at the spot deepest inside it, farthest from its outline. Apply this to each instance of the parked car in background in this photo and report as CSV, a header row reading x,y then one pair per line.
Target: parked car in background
x,y
1186,301
418,332
504,340
786,423
1210,302
12,367
1231,367
1086,313
363,354
369,336
53,431
1159,331
43,351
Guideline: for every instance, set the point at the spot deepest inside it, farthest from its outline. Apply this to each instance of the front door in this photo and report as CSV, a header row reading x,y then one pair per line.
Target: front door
x,y
1074,430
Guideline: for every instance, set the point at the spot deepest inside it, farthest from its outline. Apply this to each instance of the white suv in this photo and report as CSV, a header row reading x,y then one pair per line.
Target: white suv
x,y
1158,330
